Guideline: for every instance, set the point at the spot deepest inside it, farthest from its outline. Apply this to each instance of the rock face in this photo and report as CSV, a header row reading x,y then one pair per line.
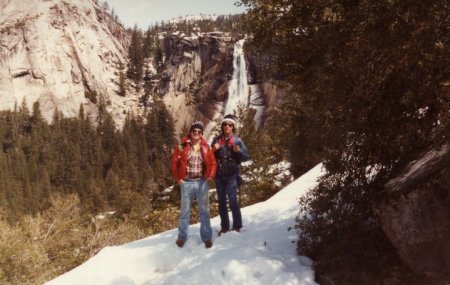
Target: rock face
x,y
60,53
416,215
67,53
195,81
198,76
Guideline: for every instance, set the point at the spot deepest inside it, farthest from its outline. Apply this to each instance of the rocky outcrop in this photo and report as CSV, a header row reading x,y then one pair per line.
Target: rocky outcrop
x,y
61,53
195,80
415,215
266,91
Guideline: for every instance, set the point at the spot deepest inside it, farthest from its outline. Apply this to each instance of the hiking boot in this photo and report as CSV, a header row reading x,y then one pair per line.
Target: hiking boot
x,y
236,229
223,230
180,242
208,243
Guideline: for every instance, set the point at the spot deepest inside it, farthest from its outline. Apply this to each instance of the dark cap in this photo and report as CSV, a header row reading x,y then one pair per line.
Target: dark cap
x,y
197,125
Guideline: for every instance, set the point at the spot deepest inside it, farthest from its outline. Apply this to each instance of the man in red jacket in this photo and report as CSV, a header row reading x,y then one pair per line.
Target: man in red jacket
x,y
193,165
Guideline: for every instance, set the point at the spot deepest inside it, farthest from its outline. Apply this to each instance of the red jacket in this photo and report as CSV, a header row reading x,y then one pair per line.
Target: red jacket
x,y
179,159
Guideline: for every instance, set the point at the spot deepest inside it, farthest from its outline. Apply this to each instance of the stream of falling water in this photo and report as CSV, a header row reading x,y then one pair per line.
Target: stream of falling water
x,y
238,90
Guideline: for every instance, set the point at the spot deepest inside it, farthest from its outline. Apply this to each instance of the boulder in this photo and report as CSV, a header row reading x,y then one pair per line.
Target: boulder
x,y
415,215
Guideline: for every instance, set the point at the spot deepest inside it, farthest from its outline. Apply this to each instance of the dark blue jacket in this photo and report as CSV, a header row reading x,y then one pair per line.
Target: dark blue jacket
x,y
228,161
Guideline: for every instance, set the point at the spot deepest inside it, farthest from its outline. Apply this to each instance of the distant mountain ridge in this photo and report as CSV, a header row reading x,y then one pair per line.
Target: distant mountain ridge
x,y
193,18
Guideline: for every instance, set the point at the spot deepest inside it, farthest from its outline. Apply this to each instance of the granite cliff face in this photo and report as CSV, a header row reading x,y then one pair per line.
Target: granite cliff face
x,y
194,83
60,53
64,54
204,75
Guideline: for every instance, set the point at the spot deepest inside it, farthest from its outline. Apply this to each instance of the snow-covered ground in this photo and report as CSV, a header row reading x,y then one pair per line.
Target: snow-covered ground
x,y
263,253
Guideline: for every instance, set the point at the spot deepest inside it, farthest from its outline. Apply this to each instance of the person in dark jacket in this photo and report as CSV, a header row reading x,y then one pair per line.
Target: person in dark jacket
x,y
193,165
229,151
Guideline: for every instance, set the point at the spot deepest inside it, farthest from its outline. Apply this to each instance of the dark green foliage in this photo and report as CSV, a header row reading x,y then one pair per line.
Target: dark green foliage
x,y
122,82
158,57
299,134
257,140
260,175
369,88
71,155
136,56
160,139
148,43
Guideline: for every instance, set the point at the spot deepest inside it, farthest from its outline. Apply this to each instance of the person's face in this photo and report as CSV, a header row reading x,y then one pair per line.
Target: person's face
x,y
227,128
196,134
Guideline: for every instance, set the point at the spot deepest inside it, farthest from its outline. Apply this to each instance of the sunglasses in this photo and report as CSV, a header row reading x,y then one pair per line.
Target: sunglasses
x,y
227,124
196,132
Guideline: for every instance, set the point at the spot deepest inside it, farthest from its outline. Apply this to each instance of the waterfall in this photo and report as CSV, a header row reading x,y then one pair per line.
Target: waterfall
x,y
238,88
239,92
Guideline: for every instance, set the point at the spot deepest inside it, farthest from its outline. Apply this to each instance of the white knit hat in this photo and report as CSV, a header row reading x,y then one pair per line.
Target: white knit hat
x,y
229,119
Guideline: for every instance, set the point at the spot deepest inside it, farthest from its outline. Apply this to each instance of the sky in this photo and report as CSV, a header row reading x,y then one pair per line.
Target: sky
x,y
146,12
264,252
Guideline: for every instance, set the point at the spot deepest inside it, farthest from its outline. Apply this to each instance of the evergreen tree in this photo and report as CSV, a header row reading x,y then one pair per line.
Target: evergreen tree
x,y
260,176
158,57
122,82
148,44
160,128
160,138
107,138
135,55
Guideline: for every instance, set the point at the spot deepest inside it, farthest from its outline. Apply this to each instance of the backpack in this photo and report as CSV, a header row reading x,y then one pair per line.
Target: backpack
x,y
227,163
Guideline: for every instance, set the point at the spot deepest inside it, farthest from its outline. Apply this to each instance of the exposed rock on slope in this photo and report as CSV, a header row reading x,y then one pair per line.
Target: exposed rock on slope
x,y
195,80
65,53
197,76
60,53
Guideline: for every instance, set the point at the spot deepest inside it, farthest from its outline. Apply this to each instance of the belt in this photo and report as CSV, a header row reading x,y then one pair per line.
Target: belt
x,y
192,179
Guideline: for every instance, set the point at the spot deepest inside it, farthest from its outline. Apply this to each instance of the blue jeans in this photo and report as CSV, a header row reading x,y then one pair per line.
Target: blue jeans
x,y
227,186
189,190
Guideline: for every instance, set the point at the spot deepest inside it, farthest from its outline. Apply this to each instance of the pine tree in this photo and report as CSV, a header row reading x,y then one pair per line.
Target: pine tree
x,y
122,82
106,133
158,57
135,55
160,138
261,174
148,44
160,128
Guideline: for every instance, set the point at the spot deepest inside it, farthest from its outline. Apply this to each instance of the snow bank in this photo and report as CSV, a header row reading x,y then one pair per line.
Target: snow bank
x,y
263,253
